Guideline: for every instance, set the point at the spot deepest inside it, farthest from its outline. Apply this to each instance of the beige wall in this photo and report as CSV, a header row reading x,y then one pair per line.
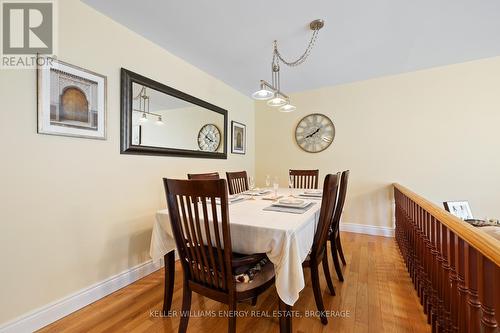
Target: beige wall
x,y
74,211
435,131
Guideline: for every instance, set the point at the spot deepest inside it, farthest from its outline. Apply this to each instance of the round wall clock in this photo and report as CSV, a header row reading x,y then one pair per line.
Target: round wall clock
x,y
314,133
209,138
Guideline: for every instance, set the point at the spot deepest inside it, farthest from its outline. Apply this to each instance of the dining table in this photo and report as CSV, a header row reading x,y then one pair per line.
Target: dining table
x,y
286,236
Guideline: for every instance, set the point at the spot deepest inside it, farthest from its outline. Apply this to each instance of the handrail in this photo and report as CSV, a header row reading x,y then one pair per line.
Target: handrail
x,y
487,245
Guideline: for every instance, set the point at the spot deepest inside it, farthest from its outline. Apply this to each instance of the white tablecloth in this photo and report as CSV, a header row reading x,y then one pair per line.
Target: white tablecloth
x,y
286,239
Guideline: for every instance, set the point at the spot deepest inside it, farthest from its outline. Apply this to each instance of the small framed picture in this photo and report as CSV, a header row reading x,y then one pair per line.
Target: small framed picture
x,y
71,100
460,209
238,138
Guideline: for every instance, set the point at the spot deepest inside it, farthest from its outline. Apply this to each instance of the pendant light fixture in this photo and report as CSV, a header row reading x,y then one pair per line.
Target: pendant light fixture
x,y
271,91
144,107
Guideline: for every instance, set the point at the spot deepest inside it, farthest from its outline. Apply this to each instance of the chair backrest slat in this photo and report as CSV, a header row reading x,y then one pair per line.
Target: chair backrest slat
x,y
237,181
203,176
306,179
194,237
341,200
220,255
197,223
328,203
211,256
186,235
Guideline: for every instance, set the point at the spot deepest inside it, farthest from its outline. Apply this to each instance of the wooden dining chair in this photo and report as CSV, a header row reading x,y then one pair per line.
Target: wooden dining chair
x,y
318,252
203,176
306,179
334,235
237,181
334,232
203,238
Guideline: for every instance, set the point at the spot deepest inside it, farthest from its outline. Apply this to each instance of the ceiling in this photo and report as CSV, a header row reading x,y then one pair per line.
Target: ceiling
x,y
232,40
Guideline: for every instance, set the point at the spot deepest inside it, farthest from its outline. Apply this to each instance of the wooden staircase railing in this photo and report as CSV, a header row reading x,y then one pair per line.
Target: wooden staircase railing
x,y
455,268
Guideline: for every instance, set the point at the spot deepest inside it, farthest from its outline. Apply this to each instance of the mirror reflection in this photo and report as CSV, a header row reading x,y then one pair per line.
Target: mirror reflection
x,y
161,120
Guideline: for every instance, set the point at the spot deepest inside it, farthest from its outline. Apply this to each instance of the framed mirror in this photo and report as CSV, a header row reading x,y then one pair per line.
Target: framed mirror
x,y
159,120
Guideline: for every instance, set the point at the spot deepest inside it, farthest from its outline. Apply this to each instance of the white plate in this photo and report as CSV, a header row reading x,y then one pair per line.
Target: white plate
x,y
291,201
256,192
313,192
231,199
318,196
285,203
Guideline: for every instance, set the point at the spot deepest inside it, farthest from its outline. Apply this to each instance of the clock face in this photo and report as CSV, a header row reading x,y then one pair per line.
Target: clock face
x,y
209,138
315,133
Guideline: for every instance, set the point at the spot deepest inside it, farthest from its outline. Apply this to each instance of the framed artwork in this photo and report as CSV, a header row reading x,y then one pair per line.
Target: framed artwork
x,y
460,209
71,101
238,138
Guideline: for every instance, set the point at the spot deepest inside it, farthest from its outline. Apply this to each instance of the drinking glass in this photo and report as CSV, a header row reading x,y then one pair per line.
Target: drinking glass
x,y
251,184
268,181
290,184
276,185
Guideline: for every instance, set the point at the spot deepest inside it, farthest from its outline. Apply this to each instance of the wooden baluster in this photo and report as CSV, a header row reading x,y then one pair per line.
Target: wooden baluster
x,y
412,242
408,239
397,216
474,306
423,258
462,288
404,230
407,235
404,217
439,279
425,286
432,319
418,256
426,248
491,296
445,246
429,267
453,282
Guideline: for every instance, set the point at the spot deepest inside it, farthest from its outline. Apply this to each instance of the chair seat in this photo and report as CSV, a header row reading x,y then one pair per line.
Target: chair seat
x,y
266,273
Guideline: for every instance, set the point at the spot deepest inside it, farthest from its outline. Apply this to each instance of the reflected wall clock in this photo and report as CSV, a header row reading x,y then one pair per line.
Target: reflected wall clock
x,y
314,133
209,138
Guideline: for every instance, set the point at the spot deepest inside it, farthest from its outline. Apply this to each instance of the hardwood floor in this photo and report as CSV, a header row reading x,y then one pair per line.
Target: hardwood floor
x,y
377,295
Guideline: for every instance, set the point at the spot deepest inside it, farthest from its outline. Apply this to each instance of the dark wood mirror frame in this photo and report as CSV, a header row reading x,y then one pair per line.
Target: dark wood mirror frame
x,y
126,146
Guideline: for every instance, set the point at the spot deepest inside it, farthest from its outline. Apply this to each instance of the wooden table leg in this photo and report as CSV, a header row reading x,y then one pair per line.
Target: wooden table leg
x,y
285,317
169,259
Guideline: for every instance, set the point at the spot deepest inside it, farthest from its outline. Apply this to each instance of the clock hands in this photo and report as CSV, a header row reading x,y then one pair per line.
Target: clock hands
x,y
310,135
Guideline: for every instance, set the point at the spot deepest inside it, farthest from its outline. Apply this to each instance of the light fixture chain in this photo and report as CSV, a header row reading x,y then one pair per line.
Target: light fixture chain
x,y
302,58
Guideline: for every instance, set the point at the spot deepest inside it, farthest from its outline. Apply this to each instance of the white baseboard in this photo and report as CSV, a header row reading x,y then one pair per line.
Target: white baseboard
x,y
52,312
367,229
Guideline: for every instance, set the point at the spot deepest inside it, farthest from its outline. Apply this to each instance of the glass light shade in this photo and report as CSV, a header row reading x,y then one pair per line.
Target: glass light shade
x,y
143,119
276,101
288,108
262,94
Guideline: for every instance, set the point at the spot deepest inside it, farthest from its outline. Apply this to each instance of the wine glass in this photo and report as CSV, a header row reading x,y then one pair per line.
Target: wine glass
x,y
268,181
251,184
290,184
276,185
